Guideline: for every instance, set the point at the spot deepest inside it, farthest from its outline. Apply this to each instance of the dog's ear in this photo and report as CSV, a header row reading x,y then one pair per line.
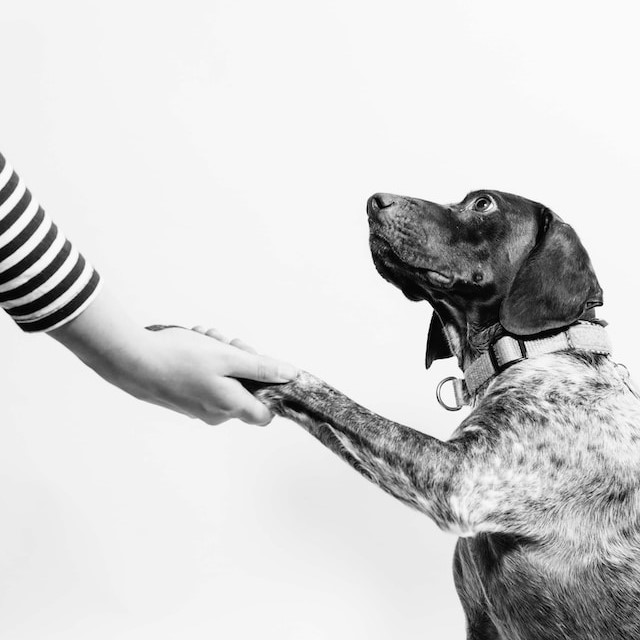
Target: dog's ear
x,y
555,285
437,343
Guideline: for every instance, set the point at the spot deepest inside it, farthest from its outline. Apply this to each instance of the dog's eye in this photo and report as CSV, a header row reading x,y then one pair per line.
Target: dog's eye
x,y
483,204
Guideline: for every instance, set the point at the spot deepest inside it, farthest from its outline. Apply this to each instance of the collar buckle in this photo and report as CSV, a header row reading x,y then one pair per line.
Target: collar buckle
x,y
507,361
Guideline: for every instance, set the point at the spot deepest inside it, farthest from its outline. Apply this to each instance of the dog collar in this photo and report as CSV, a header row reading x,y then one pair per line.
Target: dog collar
x,y
507,351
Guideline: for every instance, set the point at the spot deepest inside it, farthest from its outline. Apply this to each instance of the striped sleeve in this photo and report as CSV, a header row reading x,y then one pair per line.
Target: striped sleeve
x,y
44,281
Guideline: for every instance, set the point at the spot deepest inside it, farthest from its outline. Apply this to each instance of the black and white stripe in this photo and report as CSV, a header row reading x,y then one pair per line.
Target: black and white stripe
x,y
44,281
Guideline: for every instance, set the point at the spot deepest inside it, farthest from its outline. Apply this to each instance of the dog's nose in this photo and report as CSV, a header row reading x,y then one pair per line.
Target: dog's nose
x,y
378,202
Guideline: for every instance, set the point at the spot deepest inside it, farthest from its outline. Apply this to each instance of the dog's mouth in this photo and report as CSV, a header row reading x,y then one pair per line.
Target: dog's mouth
x,y
414,281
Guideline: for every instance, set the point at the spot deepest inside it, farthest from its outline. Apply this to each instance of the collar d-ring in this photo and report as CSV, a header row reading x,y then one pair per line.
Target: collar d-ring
x,y
458,392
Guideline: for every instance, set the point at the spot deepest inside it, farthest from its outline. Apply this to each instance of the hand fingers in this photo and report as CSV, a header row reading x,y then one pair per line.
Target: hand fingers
x,y
246,407
218,335
256,413
212,333
261,368
240,344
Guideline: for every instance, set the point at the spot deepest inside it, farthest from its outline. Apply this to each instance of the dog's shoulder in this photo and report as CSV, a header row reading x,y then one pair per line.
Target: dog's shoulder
x,y
564,430
561,396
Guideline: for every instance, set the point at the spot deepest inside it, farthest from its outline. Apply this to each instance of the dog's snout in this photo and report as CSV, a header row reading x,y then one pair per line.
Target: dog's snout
x,y
378,202
383,200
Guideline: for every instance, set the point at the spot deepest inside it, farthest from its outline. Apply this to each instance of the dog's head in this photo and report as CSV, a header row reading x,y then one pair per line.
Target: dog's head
x,y
493,257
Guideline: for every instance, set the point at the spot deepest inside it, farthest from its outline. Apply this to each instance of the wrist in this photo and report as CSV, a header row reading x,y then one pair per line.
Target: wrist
x,y
132,363
110,343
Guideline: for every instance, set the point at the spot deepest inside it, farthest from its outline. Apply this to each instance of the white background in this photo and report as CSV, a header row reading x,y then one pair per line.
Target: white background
x,y
213,160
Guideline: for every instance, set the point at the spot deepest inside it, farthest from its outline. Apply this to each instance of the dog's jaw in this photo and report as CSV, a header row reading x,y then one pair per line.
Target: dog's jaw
x,y
416,281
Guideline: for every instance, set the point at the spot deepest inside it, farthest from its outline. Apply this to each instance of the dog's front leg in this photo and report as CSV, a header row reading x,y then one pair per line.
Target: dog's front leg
x,y
410,465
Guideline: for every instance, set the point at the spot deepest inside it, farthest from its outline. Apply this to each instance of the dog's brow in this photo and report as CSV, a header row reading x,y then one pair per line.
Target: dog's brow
x,y
472,195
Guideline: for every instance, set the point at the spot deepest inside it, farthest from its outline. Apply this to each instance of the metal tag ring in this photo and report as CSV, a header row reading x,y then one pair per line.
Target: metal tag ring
x,y
439,397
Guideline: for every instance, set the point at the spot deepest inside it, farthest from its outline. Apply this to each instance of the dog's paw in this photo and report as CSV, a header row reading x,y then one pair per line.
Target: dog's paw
x,y
281,398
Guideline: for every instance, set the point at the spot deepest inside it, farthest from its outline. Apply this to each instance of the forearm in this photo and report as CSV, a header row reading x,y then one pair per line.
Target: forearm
x,y
408,464
106,339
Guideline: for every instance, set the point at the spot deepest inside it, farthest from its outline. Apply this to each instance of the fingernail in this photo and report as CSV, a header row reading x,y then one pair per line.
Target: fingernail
x,y
287,371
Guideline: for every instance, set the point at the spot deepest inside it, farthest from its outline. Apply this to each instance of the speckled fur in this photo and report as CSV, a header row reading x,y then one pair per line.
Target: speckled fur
x,y
541,482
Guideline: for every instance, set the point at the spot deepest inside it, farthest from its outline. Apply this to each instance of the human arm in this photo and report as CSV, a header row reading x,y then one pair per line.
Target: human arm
x,y
46,285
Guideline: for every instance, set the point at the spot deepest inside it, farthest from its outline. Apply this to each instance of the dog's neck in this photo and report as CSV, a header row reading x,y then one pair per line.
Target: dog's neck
x,y
478,340
470,341
470,337
469,333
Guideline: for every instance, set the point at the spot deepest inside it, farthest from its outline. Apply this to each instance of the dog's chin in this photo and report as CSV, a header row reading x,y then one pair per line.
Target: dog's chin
x,y
416,283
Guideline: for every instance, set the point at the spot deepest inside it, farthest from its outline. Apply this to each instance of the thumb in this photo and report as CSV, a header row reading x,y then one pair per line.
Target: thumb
x,y
260,368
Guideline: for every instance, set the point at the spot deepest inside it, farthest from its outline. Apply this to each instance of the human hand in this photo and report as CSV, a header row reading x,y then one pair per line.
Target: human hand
x,y
197,376
174,368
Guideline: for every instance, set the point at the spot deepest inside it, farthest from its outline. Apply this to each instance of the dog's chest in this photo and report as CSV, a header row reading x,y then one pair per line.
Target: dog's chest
x,y
572,567
556,419
523,593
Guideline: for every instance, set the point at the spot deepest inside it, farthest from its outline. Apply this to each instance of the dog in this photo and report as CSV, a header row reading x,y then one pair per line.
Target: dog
x,y
541,481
